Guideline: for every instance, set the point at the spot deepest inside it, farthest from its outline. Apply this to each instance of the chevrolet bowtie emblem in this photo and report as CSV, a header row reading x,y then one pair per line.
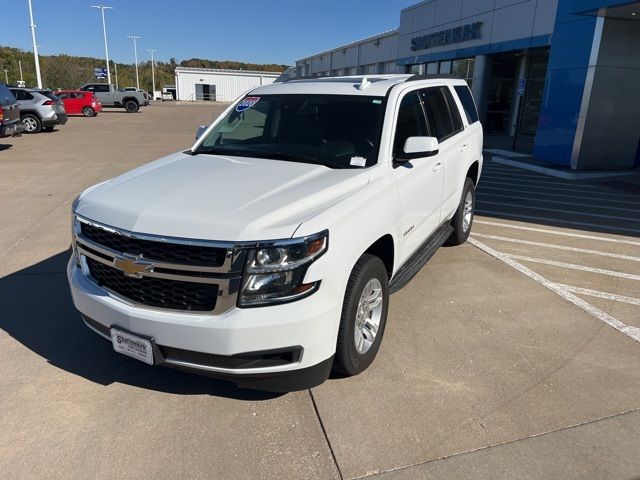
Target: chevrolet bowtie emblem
x,y
132,266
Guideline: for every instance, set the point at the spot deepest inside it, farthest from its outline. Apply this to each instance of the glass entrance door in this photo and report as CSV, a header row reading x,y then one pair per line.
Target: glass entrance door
x,y
502,84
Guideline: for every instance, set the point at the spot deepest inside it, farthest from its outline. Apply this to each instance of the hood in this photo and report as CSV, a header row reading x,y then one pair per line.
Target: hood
x,y
218,197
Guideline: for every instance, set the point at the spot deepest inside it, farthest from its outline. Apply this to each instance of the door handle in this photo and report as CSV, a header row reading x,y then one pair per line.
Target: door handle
x,y
464,147
437,166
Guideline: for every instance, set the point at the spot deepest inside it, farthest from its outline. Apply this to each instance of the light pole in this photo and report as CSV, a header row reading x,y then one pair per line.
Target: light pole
x,y
135,56
35,47
20,67
153,75
6,77
115,69
104,31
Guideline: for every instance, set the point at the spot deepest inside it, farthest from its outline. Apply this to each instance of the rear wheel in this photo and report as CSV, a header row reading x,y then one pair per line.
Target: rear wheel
x,y
131,106
88,112
31,122
364,316
463,218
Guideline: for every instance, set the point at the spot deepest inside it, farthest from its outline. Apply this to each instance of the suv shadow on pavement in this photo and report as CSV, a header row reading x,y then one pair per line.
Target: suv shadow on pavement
x,y
38,312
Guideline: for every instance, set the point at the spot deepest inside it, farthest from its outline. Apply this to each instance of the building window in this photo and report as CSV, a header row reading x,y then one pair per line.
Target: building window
x,y
445,67
432,68
463,68
417,69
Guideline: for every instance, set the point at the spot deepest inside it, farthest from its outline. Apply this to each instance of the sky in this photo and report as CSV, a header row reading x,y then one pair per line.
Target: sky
x,y
255,31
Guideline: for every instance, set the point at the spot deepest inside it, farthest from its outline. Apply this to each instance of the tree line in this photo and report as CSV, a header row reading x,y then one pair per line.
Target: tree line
x,y
68,72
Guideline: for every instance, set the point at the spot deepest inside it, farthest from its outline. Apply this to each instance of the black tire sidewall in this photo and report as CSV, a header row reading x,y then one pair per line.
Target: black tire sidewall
x,y
459,235
348,360
88,112
131,110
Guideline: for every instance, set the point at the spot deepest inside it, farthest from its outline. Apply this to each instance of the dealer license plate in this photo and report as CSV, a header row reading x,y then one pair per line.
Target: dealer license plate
x,y
132,346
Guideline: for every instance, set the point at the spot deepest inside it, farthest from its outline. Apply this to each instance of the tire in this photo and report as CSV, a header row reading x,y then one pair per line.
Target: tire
x,y
88,112
31,122
463,218
131,106
357,343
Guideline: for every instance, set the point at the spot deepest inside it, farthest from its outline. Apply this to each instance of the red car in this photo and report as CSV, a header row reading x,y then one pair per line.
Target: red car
x,y
77,102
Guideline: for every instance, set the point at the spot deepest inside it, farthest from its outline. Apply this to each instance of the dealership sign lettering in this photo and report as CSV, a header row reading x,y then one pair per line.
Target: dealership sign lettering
x,y
464,33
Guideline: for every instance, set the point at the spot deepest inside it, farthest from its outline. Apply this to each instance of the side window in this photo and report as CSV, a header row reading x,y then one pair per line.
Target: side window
x,y
464,94
438,116
63,95
102,88
411,121
27,95
89,88
76,95
453,109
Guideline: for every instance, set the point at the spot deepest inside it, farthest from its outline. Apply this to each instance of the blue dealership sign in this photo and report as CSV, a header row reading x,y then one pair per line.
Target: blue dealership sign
x,y
100,72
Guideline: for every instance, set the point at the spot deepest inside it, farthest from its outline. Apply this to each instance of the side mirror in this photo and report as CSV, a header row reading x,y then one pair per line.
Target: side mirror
x,y
418,147
201,130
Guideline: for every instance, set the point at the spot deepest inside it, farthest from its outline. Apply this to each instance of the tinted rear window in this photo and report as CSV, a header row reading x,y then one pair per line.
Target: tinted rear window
x,y
6,97
49,95
467,103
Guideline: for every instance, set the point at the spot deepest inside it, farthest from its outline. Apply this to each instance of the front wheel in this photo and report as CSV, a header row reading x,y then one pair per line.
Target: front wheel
x,y
463,218
31,123
131,106
88,112
364,316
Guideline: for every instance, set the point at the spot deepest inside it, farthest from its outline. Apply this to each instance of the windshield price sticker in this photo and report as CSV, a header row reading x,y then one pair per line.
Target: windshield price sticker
x,y
358,161
246,103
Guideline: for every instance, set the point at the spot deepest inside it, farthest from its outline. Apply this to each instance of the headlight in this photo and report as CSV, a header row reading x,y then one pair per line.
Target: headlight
x,y
274,273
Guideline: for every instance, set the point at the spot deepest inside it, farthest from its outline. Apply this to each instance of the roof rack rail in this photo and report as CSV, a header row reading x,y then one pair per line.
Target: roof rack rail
x,y
431,76
308,77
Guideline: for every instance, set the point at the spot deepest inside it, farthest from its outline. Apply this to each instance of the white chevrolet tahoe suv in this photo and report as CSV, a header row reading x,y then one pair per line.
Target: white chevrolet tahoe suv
x,y
265,254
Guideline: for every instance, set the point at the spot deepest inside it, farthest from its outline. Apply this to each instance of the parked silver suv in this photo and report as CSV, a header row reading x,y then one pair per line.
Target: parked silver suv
x,y
39,109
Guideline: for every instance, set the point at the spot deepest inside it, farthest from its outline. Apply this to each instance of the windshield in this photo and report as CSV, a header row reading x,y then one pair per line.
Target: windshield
x,y
338,131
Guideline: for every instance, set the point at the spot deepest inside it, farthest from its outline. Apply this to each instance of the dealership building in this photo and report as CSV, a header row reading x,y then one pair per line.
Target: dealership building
x,y
559,77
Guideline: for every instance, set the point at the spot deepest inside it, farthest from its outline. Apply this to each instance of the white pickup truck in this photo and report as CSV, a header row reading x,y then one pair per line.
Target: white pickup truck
x,y
265,254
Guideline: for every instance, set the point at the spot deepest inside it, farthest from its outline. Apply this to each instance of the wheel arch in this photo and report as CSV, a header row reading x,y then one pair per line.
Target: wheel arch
x,y
474,172
384,249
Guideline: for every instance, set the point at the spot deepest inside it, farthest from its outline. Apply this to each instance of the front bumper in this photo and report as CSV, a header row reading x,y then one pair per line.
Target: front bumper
x,y
309,325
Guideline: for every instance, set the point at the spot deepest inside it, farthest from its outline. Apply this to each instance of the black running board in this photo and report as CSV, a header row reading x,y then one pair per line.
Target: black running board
x,y
413,265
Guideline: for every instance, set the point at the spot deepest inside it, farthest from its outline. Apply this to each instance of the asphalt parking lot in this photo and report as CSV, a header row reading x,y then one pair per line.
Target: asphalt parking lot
x,y
484,372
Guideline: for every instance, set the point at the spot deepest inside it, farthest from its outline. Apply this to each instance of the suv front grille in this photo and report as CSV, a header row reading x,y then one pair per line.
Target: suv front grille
x,y
156,292
152,250
163,273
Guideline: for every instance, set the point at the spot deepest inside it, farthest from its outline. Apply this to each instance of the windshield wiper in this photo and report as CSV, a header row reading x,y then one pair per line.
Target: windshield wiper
x,y
289,157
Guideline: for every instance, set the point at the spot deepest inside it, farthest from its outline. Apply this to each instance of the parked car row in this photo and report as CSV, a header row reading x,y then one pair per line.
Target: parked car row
x,y
33,110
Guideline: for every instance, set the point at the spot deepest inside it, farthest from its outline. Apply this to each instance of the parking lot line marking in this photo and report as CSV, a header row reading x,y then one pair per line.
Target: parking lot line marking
x,y
536,182
558,210
588,205
566,188
557,232
599,294
483,187
630,331
537,178
555,220
573,266
557,247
